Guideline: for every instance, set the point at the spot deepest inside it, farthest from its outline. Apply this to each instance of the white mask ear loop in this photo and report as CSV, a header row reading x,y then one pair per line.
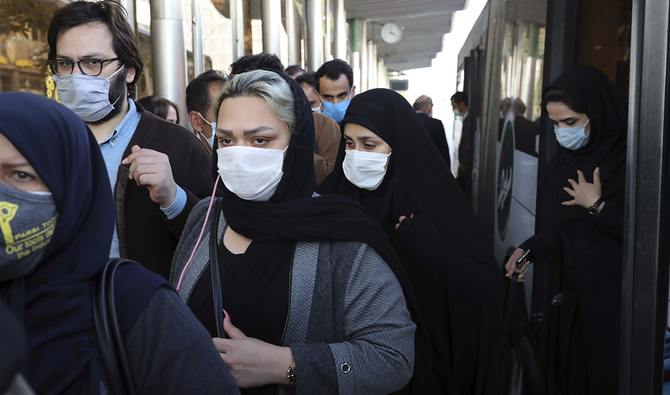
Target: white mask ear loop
x,y
211,201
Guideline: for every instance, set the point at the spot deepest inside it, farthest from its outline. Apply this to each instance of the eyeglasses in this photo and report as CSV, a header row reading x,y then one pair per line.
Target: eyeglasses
x,y
92,67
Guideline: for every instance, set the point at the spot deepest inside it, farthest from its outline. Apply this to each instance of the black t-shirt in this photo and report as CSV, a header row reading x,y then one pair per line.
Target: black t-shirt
x,y
258,310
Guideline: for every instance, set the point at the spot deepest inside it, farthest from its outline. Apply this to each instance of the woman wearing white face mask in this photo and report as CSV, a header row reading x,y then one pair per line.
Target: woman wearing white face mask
x,y
586,183
312,292
388,163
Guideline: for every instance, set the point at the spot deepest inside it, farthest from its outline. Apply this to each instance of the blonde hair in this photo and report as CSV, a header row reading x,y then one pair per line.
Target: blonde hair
x,y
266,85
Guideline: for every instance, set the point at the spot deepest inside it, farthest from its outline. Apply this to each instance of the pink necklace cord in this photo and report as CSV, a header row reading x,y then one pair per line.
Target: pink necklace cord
x,y
211,201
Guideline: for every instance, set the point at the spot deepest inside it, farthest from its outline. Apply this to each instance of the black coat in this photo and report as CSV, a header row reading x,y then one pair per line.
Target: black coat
x,y
436,132
465,159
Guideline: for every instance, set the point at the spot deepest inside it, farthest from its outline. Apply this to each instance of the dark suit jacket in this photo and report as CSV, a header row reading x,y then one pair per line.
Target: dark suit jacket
x,y
436,132
145,233
465,159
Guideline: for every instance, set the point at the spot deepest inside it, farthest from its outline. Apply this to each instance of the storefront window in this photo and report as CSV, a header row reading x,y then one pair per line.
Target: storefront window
x,y
23,46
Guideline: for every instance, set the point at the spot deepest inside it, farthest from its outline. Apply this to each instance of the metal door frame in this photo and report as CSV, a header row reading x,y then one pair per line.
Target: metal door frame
x,y
646,258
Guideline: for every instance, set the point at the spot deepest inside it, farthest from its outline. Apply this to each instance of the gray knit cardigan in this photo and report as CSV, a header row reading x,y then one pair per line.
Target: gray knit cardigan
x,y
348,325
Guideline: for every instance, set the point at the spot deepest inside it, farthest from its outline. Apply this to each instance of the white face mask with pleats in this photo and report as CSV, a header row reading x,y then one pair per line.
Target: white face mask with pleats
x,y
249,172
364,169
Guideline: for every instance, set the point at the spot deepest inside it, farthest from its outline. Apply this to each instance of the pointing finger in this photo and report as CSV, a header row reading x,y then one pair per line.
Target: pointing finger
x,y
232,331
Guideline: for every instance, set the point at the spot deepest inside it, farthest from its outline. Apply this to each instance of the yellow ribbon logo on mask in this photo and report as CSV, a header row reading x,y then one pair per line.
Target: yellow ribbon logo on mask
x,y
7,213
25,242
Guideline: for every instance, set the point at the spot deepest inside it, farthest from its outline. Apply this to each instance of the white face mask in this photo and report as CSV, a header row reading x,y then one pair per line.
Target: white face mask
x,y
86,95
249,172
316,109
364,169
213,126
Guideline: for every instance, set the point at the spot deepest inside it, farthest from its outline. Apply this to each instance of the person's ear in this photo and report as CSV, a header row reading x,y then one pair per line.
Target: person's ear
x,y
130,74
195,121
353,91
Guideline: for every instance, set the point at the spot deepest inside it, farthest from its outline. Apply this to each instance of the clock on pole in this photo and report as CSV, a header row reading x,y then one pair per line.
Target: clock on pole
x,y
391,33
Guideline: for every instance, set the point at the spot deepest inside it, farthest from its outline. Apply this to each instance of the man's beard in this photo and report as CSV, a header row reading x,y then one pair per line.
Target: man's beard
x,y
117,90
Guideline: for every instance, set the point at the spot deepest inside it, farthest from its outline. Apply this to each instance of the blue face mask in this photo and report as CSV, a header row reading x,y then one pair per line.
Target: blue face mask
x,y
336,111
572,138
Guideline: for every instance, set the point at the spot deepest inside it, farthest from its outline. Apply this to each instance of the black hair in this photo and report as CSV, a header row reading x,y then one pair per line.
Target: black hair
x,y
552,95
460,97
114,16
197,92
293,70
161,106
256,62
333,70
306,78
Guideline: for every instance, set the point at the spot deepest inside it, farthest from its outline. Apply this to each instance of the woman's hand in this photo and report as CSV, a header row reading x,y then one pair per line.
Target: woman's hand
x,y
584,193
512,267
402,217
252,362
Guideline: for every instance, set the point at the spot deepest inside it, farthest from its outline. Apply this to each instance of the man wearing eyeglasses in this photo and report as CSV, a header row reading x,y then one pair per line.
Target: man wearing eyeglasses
x,y
158,170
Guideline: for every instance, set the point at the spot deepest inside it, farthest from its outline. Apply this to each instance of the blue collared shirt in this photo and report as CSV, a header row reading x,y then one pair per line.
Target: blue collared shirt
x,y
112,149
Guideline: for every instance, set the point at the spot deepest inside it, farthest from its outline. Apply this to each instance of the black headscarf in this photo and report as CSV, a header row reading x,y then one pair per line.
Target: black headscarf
x,y
606,108
54,302
417,178
292,214
418,181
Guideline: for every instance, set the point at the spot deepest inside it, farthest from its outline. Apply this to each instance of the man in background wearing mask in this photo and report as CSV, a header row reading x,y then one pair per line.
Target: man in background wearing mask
x,y
424,111
200,94
326,130
335,85
157,169
459,102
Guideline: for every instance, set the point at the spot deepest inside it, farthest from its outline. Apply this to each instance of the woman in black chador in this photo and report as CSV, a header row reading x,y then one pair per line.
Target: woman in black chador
x,y
587,181
388,163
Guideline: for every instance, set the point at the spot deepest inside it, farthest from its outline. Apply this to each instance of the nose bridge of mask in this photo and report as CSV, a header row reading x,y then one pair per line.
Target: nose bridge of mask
x,y
573,129
351,92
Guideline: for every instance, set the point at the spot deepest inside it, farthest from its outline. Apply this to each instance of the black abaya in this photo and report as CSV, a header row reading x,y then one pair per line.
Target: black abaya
x,y
589,325
455,276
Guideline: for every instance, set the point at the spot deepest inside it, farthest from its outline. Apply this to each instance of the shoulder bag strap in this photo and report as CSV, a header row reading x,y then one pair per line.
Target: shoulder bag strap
x,y
217,294
113,351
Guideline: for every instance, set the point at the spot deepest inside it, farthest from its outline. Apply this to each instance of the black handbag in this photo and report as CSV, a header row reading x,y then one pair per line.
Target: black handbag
x,y
114,357
522,367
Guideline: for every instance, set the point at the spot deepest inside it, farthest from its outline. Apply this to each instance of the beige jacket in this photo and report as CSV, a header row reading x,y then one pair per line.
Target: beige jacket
x,y
328,142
